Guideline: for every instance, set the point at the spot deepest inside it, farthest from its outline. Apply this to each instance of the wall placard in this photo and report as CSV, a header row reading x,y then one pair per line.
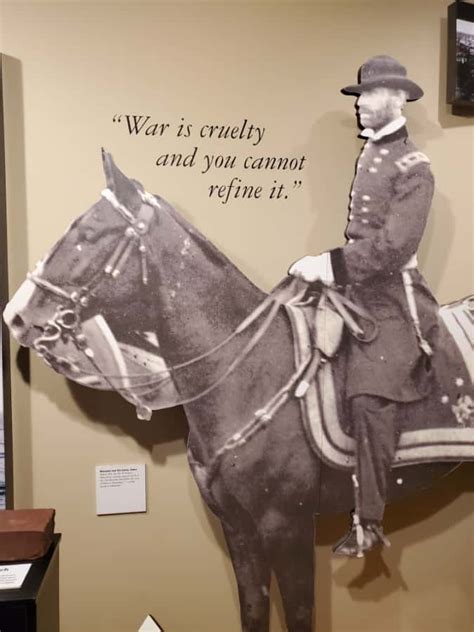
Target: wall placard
x,y
120,489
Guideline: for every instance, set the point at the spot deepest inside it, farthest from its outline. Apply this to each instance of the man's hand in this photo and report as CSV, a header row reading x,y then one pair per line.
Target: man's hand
x,y
312,269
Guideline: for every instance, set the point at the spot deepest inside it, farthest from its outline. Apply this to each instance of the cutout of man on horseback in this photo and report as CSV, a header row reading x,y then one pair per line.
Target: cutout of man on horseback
x,y
377,268
133,298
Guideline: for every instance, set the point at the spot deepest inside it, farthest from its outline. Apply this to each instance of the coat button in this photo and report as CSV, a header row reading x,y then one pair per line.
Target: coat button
x,y
366,198
365,209
365,221
384,151
373,169
377,159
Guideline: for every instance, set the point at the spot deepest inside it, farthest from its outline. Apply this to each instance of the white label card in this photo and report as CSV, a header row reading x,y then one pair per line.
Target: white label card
x,y
120,489
13,576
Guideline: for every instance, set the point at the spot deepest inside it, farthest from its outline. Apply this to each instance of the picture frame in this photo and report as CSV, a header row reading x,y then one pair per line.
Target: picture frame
x,y
460,66
6,463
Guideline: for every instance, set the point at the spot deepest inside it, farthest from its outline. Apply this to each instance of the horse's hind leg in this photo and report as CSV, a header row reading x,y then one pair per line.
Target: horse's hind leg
x,y
289,541
253,577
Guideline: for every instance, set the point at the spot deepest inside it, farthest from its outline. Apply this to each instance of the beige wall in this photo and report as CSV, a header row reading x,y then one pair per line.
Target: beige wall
x,y
72,67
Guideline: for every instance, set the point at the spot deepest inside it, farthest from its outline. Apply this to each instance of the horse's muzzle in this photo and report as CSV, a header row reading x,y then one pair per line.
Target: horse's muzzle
x,y
16,317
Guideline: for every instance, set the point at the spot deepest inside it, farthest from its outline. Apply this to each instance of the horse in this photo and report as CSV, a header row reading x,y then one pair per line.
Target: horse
x,y
227,348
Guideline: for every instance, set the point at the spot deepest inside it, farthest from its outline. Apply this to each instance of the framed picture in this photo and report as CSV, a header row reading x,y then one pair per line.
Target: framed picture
x,y
460,82
6,488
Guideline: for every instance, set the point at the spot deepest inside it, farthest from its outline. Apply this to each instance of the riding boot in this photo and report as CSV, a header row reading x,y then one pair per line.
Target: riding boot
x,y
361,538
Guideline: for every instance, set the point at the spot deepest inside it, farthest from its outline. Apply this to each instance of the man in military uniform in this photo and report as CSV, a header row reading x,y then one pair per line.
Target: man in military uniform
x,y
377,269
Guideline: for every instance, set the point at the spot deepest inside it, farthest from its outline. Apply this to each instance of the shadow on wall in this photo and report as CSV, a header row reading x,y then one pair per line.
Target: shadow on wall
x,y
420,128
167,429
437,240
379,575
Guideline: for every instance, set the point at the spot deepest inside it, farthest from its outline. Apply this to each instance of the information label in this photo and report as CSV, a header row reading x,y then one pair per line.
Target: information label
x,y
13,576
120,489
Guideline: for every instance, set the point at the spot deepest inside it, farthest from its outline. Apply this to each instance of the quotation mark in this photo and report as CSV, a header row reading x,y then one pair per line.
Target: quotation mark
x,y
117,118
297,184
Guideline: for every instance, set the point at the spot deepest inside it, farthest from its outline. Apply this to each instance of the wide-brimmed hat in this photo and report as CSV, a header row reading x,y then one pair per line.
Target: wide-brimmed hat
x,y
385,72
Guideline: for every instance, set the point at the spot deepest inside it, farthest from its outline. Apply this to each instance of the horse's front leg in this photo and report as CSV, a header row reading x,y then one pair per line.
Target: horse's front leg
x,y
251,569
289,541
253,576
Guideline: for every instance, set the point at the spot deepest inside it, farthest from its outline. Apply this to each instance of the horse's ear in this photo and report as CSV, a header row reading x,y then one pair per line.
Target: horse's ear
x,y
125,189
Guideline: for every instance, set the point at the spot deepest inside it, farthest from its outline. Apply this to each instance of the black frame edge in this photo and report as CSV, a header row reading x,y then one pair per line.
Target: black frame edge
x,y
6,374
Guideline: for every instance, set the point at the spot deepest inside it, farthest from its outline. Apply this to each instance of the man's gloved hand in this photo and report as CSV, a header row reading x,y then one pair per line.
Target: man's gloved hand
x,y
312,269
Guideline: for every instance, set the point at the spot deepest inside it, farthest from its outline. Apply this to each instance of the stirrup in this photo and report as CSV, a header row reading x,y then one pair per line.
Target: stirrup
x,y
360,539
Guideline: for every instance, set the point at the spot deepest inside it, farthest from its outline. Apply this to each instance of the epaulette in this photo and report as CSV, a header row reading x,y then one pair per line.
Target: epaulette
x,y
405,163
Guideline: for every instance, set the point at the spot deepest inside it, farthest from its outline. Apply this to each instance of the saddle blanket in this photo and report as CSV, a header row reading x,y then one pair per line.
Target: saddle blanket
x,y
437,428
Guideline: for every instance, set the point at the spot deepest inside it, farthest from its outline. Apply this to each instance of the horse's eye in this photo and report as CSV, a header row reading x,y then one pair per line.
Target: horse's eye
x,y
79,247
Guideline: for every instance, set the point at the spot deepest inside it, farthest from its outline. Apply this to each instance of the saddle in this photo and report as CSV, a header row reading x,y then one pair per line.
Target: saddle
x,y
437,428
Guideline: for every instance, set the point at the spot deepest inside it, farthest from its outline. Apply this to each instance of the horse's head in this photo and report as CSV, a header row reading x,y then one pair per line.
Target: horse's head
x,y
130,265
100,266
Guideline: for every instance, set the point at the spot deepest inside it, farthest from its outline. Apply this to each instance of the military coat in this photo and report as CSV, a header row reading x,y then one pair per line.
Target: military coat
x,y
390,201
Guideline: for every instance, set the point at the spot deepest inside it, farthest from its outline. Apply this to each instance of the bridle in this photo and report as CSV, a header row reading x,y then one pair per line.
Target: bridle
x,y
67,319
133,237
